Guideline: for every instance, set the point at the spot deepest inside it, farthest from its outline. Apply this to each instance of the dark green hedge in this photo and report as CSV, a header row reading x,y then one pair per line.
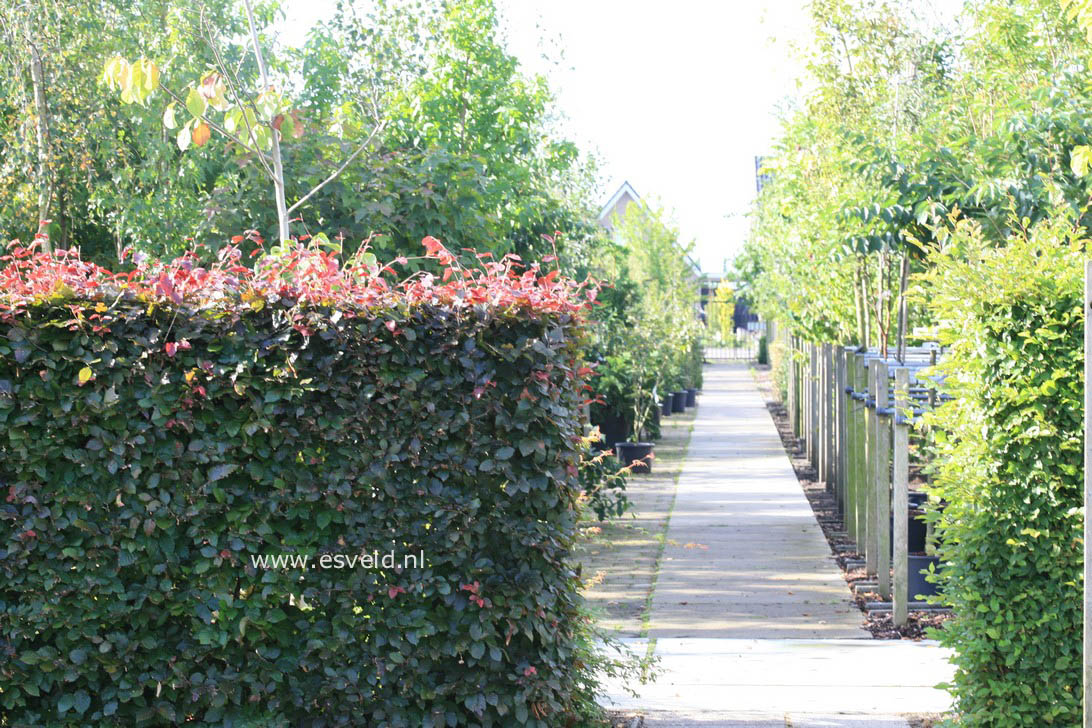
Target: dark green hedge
x,y
1010,466
133,503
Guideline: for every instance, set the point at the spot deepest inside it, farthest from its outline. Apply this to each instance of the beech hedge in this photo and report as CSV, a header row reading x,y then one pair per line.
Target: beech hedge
x,y
1010,466
164,428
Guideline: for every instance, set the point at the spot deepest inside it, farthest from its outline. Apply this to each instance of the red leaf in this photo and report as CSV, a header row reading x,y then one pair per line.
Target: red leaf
x,y
171,347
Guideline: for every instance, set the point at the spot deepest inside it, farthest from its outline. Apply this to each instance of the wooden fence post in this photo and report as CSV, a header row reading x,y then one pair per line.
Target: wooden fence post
x,y
843,426
790,382
813,409
900,484
849,515
831,439
821,410
864,476
881,501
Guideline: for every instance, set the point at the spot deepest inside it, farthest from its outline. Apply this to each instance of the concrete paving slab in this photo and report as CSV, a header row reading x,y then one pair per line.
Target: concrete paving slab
x,y
705,720
751,617
742,526
797,720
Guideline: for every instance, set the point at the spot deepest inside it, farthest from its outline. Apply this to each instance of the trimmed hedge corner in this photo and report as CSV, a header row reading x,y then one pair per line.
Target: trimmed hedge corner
x,y
164,428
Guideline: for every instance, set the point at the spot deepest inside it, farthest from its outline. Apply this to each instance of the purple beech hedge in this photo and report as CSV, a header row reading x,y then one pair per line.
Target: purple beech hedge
x,y
146,461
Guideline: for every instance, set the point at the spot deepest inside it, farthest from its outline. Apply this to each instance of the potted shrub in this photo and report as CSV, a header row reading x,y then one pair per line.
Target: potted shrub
x,y
638,454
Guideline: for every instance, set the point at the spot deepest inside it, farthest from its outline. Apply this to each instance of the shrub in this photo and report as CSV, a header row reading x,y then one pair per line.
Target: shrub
x,y
165,428
1009,464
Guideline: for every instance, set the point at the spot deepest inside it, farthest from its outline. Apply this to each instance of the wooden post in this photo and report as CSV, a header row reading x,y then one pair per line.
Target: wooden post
x,y
849,516
881,500
790,382
1087,495
900,483
864,476
813,412
843,430
815,361
824,409
798,405
828,396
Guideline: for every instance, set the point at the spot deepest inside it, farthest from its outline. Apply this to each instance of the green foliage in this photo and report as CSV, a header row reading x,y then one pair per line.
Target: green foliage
x,y
1009,462
723,324
140,480
649,336
468,147
604,484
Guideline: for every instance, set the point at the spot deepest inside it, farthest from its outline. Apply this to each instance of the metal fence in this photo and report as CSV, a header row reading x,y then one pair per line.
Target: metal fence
x,y
741,346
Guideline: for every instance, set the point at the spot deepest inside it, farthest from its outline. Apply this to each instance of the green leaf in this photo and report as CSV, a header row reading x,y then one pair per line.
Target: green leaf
x,y
1080,158
82,701
195,103
219,472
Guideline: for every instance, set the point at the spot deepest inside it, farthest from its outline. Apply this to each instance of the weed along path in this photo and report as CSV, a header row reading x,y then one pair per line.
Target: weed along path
x,y
750,616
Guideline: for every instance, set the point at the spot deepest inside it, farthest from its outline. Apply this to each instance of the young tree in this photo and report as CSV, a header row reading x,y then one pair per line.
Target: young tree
x,y
256,122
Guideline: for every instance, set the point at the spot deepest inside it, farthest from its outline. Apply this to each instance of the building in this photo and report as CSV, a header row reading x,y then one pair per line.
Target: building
x,y
617,205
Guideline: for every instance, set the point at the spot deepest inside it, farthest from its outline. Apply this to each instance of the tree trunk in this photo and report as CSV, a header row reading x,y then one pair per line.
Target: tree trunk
x,y
904,281
278,167
45,177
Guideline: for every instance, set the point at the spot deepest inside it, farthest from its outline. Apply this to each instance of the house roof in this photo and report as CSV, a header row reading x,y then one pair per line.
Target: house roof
x,y
624,190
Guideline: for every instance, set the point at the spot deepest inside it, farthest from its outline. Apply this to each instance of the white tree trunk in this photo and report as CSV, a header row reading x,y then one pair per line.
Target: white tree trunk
x,y
41,112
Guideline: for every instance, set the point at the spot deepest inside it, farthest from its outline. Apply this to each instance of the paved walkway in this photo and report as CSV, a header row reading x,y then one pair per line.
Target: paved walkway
x,y
751,618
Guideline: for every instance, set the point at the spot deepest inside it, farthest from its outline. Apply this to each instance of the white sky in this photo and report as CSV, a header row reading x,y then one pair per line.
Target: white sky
x,y
676,96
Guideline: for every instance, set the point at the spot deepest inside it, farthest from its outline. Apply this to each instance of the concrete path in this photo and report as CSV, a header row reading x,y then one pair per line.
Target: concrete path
x,y
751,618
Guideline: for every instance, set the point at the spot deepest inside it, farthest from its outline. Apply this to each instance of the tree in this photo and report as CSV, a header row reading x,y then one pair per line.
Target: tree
x,y
254,122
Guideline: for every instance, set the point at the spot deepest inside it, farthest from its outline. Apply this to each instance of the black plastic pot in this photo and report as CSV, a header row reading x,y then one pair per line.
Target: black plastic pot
x,y
915,531
665,406
915,582
691,397
628,452
614,429
679,401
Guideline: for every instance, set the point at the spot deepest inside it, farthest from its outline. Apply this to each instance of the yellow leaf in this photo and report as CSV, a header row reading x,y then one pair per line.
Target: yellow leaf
x,y
201,134
85,375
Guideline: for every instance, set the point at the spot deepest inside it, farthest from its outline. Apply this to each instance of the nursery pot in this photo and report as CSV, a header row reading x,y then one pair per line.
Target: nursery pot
x,y
691,397
915,531
665,407
679,401
614,430
627,452
915,582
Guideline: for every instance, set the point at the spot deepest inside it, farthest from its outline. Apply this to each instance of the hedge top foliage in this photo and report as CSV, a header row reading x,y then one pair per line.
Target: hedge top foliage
x,y
302,276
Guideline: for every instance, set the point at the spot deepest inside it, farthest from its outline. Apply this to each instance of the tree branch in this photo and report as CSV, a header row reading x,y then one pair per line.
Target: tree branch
x,y
339,170
216,127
